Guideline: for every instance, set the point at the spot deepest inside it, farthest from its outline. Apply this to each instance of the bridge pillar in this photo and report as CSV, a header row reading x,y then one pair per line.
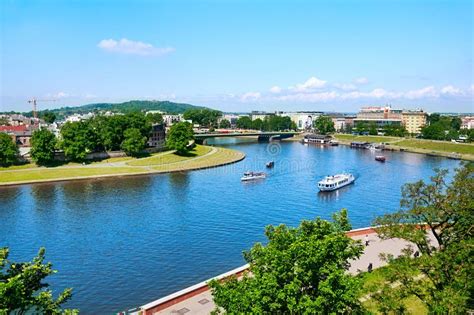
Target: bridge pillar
x,y
263,138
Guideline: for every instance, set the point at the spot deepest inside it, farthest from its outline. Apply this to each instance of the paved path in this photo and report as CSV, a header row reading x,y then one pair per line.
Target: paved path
x,y
202,303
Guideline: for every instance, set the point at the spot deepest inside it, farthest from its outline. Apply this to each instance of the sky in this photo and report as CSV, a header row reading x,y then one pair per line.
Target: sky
x,y
239,56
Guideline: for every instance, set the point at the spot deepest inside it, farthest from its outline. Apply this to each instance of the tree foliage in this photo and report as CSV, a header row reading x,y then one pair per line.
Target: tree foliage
x,y
134,142
8,150
324,124
300,271
48,116
154,118
224,123
269,123
441,127
244,122
43,146
77,140
179,136
441,277
22,290
203,117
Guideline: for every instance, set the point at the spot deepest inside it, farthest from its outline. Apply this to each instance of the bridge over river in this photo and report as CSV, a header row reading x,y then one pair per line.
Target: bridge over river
x,y
261,136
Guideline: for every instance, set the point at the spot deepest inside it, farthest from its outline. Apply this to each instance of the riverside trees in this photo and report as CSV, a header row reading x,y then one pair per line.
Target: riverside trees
x,y
22,290
442,276
43,146
179,136
8,150
301,270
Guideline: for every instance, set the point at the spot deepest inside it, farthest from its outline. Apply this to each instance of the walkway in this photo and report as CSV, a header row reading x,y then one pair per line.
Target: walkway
x,y
198,298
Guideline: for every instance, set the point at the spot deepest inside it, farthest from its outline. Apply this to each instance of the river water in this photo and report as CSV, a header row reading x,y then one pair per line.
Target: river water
x,y
123,242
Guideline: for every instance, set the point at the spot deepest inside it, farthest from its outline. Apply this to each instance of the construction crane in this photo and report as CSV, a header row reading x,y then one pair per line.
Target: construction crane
x,y
34,100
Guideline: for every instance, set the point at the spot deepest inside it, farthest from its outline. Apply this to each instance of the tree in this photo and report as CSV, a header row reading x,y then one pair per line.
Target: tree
x,y
324,124
203,117
257,124
22,290
441,278
8,150
224,124
134,142
244,122
373,129
43,146
154,118
179,136
300,271
48,117
78,139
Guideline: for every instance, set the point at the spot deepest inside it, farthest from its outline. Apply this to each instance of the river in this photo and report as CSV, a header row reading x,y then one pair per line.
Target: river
x,y
123,242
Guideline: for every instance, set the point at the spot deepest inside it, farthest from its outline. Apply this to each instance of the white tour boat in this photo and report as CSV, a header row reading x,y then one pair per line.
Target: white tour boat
x,y
330,183
253,176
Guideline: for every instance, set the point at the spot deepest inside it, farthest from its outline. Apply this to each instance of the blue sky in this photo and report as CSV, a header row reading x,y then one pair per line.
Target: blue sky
x,y
239,55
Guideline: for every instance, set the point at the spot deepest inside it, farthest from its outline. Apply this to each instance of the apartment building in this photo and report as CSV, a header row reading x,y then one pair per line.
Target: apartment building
x,y
414,120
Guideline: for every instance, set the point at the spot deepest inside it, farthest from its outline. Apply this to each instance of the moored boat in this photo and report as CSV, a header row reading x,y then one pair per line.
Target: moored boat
x,y
248,176
380,158
330,183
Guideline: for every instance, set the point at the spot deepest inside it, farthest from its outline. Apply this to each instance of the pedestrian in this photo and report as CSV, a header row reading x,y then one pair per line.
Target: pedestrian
x,y
366,240
369,268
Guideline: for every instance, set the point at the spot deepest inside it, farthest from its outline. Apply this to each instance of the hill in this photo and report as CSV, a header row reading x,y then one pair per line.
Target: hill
x,y
134,105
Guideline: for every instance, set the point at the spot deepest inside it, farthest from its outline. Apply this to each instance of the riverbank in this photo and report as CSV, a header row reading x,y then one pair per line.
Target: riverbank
x,y
200,157
463,151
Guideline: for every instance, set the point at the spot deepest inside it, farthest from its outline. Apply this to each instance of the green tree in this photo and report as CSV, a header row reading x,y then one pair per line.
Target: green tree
x,y
441,278
22,290
203,117
43,146
78,139
224,124
300,271
179,136
154,118
244,122
257,124
48,117
8,150
134,143
373,129
324,124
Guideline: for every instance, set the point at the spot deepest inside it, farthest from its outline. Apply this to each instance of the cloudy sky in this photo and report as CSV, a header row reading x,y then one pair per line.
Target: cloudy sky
x,y
239,55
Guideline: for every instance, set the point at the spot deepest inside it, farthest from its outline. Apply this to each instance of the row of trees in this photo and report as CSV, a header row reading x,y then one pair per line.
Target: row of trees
x,y
8,150
269,123
445,128
372,129
204,117
303,270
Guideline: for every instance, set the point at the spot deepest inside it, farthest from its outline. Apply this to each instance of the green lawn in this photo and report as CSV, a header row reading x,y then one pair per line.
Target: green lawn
x,y
169,157
366,138
413,304
163,162
444,146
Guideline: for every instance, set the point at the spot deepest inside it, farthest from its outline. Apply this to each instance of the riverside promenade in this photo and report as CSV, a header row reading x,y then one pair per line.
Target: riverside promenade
x,y
197,299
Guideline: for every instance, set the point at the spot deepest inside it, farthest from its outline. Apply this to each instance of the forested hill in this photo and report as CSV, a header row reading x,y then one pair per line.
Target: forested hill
x,y
135,105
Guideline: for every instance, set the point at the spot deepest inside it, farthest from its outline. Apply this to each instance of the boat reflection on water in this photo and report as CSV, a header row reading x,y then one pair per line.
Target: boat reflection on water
x,y
327,196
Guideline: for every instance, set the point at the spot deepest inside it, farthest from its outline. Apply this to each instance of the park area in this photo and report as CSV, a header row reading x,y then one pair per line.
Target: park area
x,y
163,162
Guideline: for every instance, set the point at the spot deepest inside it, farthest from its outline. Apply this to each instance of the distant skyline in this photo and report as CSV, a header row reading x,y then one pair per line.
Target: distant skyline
x,y
239,56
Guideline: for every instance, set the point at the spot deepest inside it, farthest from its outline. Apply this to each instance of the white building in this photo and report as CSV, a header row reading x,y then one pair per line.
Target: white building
x,y
303,120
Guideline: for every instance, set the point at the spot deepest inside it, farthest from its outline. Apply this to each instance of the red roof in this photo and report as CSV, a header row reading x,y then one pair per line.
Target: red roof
x,y
13,128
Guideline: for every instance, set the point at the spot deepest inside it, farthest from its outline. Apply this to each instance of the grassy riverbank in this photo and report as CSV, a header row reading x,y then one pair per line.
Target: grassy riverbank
x,y
441,148
200,157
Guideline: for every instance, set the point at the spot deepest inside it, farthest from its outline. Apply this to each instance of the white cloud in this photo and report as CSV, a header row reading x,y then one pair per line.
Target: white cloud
x,y
309,97
250,96
361,80
130,47
310,84
426,92
345,86
58,95
275,90
451,90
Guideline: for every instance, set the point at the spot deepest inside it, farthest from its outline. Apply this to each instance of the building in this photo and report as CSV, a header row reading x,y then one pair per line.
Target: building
x,y
169,120
259,115
303,120
467,122
157,137
21,134
414,120
232,118
380,116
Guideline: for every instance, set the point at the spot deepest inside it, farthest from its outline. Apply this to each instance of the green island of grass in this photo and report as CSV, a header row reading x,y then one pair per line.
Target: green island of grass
x,y
198,158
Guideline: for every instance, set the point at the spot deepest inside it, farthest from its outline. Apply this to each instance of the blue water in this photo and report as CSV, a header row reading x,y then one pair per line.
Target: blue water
x,y
124,242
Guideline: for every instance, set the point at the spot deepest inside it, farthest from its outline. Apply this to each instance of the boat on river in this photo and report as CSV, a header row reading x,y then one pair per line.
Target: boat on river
x,y
270,164
330,183
248,176
380,158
